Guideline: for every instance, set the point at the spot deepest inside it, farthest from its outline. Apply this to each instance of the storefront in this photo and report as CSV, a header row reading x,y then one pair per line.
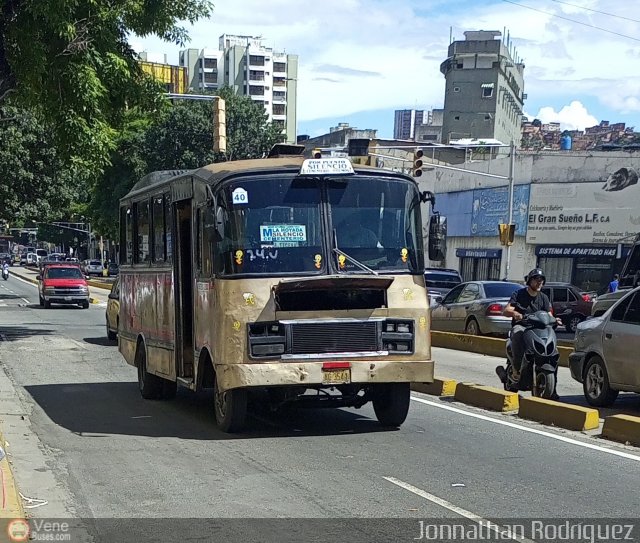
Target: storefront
x,y
589,268
479,264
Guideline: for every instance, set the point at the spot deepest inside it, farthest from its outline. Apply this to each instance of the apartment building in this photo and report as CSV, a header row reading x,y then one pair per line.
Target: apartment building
x,y
484,93
252,69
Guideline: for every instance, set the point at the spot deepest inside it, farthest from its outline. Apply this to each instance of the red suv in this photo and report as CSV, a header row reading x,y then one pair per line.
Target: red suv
x,y
569,303
62,284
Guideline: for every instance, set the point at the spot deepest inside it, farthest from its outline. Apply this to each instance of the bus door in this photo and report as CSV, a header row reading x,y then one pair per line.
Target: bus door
x,y
183,283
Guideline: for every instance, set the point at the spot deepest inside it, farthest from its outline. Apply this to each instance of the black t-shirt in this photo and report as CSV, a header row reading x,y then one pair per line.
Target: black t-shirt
x,y
527,304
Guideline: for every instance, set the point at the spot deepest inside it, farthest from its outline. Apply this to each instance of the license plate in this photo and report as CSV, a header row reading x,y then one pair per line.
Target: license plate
x,y
336,377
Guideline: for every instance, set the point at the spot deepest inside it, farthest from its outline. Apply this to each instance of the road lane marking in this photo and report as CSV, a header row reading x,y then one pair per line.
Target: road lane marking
x,y
570,440
481,521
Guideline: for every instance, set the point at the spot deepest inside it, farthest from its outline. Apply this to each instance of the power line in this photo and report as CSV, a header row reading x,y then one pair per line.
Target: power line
x,y
572,20
596,11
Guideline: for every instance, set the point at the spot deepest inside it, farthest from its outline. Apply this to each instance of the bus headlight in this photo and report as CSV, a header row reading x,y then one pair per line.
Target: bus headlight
x,y
266,339
398,336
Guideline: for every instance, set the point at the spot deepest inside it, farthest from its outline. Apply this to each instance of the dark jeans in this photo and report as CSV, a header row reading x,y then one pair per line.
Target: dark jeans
x,y
517,346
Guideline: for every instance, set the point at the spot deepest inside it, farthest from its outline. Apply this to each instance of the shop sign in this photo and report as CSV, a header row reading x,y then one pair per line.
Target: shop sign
x,y
478,253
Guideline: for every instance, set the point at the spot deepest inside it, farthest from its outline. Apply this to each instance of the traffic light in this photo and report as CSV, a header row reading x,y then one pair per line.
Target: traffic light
x,y
219,126
417,162
507,233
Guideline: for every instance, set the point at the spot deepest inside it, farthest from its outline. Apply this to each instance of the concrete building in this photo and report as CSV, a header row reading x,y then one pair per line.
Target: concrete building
x,y
418,125
174,78
574,212
405,122
338,137
252,69
484,92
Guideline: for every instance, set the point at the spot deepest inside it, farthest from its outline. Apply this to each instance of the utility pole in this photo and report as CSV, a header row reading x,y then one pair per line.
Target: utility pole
x,y
512,164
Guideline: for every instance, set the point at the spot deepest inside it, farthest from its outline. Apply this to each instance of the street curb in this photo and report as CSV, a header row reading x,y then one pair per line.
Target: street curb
x,y
570,417
439,387
622,428
13,507
493,399
484,345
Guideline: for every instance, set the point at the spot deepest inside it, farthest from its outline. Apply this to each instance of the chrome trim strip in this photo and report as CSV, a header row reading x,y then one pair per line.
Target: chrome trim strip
x,y
333,355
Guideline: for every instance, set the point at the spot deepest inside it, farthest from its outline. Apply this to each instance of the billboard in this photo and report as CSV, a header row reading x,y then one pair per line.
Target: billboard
x,y
577,213
491,207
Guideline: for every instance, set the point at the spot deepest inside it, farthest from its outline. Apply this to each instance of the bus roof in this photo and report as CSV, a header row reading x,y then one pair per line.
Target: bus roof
x,y
217,172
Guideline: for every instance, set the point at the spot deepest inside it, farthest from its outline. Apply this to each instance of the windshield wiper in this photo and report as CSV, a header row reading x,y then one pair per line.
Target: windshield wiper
x,y
356,262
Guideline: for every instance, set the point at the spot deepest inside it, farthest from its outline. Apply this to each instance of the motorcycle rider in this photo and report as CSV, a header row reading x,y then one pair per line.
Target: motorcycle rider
x,y
5,268
525,301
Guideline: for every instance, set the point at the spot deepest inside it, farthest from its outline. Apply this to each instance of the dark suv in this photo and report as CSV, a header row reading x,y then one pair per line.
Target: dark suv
x,y
439,281
569,303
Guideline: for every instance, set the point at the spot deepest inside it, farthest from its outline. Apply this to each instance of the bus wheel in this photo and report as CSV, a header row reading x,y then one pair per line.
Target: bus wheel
x,y
391,403
150,385
230,408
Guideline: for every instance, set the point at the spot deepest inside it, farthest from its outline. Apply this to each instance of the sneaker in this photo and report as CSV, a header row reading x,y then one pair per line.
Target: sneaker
x,y
555,397
502,374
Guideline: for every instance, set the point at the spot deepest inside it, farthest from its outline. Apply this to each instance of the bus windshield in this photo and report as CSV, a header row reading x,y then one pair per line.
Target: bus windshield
x,y
376,221
274,226
271,226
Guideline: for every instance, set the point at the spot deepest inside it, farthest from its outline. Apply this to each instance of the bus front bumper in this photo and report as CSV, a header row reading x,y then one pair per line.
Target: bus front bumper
x,y
312,374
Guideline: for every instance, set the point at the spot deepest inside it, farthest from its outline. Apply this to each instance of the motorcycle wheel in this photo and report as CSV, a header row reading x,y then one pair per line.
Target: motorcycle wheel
x,y
545,385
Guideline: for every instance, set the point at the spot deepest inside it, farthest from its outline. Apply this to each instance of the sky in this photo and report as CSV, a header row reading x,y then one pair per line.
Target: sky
x,y
360,60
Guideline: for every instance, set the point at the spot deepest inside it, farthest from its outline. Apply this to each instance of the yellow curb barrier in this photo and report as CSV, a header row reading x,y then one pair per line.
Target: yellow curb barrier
x,y
13,507
623,428
490,398
490,346
570,417
439,387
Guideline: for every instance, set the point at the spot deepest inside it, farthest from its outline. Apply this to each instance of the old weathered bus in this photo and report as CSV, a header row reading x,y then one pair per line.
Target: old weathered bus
x,y
302,279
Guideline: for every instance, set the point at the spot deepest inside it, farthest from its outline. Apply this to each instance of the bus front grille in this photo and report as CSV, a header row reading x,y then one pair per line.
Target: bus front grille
x,y
334,337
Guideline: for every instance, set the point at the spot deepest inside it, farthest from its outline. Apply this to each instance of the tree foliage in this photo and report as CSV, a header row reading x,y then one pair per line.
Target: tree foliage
x,y
179,138
71,59
37,183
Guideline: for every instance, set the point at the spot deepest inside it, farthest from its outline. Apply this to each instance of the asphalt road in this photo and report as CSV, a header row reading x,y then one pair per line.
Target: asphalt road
x,y
86,445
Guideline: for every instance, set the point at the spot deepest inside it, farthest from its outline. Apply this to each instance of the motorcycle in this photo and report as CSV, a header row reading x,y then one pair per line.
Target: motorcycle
x,y
5,273
539,369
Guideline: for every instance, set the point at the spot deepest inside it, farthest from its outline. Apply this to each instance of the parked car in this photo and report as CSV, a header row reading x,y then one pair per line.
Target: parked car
x,y
113,269
605,360
32,259
62,284
23,259
474,308
441,280
113,310
93,267
605,301
569,303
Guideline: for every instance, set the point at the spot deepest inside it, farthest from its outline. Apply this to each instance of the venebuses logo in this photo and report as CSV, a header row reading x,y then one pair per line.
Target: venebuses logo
x,y
18,530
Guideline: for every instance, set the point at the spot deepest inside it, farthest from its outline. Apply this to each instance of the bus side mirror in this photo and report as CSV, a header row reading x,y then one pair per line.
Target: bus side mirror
x,y
437,237
219,219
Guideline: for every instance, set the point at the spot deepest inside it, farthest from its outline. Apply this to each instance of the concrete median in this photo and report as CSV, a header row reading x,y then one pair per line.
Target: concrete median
x,y
11,503
622,428
483,345
493,399
439,387
562,415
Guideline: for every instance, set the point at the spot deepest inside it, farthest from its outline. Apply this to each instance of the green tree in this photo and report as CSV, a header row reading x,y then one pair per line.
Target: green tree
x,y
37,184
71,59
181,138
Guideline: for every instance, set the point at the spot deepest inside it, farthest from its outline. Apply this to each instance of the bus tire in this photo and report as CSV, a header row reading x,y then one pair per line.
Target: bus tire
x,y
391,403
150,385
230,408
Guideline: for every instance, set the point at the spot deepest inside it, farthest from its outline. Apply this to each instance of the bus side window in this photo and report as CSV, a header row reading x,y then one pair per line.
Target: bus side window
x,y
126,236
167,228
141,212
158,229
